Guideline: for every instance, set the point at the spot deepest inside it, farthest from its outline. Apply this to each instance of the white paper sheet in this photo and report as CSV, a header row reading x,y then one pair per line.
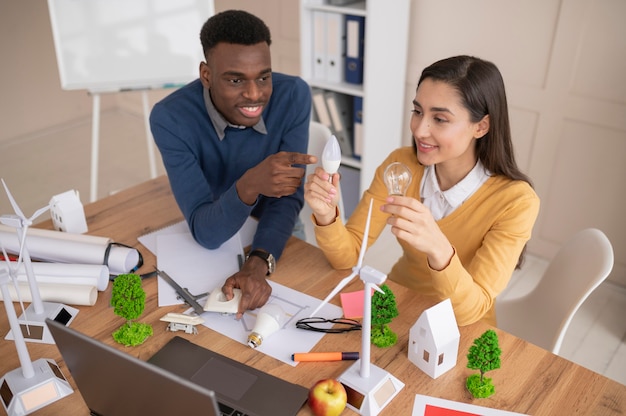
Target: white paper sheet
x,y
289,339
201,271
452,408
194,267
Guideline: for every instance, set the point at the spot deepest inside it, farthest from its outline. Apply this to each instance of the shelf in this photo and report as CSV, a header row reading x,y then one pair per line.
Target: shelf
x,y
350,161
343,87
356,9
384,76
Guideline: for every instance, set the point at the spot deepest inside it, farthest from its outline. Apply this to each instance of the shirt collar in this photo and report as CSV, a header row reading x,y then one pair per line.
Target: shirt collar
x,y
460,192
219,122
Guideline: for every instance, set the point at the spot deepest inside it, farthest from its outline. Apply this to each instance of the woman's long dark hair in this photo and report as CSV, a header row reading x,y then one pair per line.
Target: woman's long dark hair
x,y
481,88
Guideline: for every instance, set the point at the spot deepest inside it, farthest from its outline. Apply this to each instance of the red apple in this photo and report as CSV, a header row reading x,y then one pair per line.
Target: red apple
x,y
327,398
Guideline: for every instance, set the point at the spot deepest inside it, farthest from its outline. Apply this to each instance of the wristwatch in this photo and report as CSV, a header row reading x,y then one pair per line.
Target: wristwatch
x,y
268,257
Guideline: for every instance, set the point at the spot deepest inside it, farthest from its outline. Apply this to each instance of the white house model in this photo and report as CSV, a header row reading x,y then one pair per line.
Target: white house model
x,y
434,340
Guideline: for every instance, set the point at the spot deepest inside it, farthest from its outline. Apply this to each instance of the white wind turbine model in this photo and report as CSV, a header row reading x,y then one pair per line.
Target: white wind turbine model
x,y
34,384
369,388
32,322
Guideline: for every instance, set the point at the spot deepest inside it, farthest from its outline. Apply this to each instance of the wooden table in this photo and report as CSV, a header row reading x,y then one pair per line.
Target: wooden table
x,y
531,380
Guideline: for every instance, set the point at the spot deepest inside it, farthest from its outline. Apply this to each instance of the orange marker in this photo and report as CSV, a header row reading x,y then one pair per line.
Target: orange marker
x,y
325,356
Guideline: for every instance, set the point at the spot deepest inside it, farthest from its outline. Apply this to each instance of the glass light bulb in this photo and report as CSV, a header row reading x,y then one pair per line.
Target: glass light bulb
x,y
397,178
331,156
270,319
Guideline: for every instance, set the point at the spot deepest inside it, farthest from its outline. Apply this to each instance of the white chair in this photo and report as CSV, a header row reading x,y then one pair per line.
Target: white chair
x,y
318,136
543,315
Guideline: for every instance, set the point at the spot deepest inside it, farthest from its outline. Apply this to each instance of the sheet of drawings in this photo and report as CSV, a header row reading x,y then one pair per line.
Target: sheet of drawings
x,y
288,339
202,271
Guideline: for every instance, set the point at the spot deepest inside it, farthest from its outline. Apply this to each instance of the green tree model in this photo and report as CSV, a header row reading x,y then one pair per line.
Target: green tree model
x,y
484,355
129,300
384,309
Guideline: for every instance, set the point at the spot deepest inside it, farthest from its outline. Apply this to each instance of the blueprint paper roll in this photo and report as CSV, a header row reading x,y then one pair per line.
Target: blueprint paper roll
x,y
53,292
77,274
60,247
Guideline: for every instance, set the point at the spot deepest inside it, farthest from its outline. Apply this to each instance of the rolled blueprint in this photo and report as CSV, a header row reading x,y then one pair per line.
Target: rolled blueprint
x,y
75,274
54,292
60,247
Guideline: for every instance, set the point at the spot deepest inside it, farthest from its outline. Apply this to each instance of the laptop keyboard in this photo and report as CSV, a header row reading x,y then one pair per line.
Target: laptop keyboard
x,y
229,411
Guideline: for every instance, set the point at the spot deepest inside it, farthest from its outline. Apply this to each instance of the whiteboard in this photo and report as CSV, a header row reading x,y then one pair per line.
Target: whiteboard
x,y
116,45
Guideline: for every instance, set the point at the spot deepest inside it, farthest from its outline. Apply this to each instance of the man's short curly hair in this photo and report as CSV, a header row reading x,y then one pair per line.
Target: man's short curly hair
x,y
233,26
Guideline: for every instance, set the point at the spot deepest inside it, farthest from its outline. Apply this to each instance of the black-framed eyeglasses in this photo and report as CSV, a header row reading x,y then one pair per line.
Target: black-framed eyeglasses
x,y
329,326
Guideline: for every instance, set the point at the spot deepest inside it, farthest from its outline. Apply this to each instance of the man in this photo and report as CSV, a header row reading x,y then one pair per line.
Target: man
x,y
230,151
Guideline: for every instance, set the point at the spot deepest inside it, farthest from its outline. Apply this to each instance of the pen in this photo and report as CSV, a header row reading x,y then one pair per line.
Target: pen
x,y
325,356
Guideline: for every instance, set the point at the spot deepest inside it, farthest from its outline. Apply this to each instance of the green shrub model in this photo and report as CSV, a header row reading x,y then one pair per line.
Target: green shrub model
x,y
484,355
384,309
129,300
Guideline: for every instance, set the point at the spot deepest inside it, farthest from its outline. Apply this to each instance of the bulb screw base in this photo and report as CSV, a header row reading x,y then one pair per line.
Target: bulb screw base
x,y
254,340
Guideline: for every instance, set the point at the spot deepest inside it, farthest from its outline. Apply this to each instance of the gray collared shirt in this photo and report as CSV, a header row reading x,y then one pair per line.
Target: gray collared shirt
x,y
443,203
220,123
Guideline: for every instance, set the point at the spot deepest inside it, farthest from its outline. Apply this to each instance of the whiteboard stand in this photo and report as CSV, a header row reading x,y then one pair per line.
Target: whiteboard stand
x,y
95,141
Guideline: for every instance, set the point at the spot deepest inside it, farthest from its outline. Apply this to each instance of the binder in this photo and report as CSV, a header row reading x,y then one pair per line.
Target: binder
x,y
350,188
319,45
358,127
335,47
340,110
355,48
320,112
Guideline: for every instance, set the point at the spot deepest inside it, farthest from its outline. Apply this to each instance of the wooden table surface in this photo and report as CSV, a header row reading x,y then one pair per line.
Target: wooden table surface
x,y
531,380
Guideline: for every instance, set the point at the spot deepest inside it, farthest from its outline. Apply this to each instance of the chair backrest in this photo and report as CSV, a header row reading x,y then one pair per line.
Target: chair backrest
x,y
545,313
318,136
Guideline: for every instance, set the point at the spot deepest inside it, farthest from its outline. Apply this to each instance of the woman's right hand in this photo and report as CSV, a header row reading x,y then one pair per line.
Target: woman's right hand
x,y
322,195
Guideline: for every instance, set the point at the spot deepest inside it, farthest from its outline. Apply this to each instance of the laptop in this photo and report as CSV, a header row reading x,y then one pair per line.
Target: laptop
x,y
113,383
235,384
181,378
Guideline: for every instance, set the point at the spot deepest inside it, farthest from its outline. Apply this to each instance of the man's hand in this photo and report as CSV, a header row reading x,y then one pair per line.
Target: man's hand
x,y
274,177
255,291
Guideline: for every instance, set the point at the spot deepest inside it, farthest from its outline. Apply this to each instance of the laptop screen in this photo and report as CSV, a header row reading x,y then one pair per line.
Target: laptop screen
x,y
113,383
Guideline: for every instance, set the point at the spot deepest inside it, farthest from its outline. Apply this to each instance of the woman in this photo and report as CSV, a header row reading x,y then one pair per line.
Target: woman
x,y
468,211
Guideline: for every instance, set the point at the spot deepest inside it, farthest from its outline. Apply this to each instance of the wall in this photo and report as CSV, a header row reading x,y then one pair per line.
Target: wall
x,y
32,99
563,63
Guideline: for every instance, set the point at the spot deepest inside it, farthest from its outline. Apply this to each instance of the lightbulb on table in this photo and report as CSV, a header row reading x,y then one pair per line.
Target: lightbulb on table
x,y
331,157
397,178
270,319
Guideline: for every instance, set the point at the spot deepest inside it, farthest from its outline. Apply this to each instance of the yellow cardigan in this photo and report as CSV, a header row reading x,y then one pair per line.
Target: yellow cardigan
x,y
488,232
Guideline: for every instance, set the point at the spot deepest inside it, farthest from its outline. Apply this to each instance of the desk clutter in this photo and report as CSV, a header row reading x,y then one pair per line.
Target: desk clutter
x,y
531,380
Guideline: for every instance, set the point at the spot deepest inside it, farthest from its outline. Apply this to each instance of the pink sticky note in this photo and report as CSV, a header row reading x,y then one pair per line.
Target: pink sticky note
x,y
352,304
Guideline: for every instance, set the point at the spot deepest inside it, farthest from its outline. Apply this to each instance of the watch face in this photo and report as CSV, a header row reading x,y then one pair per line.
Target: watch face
x,y
271,264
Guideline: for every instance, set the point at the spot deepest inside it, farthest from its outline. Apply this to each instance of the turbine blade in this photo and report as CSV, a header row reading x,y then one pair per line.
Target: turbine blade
x,y
39,212
16,208
336,290
366,234
22,241
378,289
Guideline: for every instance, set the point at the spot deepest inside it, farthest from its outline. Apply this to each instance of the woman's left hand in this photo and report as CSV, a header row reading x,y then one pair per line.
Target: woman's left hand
x,y
413,222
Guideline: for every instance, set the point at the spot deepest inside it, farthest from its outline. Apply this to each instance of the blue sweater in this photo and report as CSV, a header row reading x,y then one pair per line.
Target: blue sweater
x,y
203,170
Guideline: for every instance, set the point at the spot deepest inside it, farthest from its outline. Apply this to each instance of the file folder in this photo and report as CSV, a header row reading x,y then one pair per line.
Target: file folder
x,y
335,47
355,48
340,110
319,45
319,108
358,127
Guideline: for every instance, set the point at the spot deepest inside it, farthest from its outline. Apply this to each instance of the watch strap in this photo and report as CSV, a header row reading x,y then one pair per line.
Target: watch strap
x,y
263,255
